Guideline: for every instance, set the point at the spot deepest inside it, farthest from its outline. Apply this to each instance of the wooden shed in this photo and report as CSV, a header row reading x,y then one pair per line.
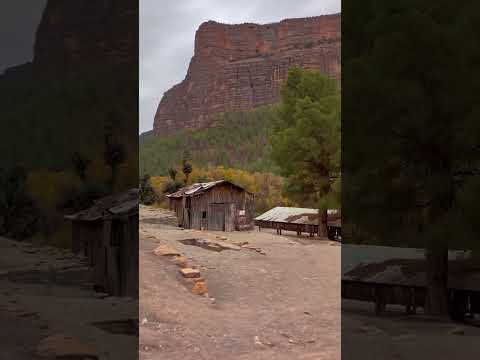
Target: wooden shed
x,y
107,234
217,205
300,220
385,275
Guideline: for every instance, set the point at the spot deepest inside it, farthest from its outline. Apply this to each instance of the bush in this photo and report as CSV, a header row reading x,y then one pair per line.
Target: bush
x,y
147,194
172,186
18,214
76,199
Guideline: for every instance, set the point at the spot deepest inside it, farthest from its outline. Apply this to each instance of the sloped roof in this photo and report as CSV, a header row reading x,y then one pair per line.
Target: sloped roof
x,y
117,204
405,266
298,216
198,188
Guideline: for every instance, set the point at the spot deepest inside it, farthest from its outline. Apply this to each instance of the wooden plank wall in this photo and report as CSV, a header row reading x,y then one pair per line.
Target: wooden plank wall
x,y
176,205
112,249
216,217
111,259
129,257
299,228
223,193
85,236
199,205
231,215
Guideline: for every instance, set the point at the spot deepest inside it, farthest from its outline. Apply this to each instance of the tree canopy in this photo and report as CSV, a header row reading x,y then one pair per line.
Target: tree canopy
x,y
410,131
306,143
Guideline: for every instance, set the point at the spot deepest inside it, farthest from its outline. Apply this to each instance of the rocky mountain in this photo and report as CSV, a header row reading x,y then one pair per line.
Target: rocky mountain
x,y
240,67
76,34
82,82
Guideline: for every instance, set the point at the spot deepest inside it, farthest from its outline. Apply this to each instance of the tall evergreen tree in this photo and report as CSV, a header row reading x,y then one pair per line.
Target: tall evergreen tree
x,y
80,164
186,166
172,172
306,140
410,116
147,194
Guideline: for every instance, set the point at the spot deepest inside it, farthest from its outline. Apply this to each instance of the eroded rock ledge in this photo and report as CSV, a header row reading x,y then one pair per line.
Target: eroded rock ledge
x,y
240,67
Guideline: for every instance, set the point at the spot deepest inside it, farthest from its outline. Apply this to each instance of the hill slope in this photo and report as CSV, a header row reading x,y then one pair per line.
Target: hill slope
x,y
238,140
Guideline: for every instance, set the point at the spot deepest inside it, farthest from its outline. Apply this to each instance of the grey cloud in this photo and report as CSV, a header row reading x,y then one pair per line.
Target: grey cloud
x,y
18,22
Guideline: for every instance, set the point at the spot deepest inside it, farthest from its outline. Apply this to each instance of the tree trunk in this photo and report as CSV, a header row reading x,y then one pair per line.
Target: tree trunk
x,y
436,302
322,226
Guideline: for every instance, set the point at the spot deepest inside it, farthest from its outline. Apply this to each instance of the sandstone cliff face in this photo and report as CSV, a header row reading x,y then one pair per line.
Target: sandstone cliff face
x,y
74,34
239,67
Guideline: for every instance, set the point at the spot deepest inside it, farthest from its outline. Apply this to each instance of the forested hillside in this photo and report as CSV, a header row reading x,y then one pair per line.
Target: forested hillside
x,y
45,121
239,140
62,139
287,154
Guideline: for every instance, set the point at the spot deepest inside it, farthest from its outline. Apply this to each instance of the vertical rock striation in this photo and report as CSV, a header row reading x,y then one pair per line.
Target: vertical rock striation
x,y
240,67
77,34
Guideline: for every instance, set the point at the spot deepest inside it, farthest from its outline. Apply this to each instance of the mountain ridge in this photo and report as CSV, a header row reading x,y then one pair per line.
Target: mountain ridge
x,y
239,67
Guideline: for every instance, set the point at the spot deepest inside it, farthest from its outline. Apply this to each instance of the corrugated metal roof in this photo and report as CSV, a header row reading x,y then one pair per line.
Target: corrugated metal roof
x,y
201,187
117,204
354,255
404,266
197,188
294,215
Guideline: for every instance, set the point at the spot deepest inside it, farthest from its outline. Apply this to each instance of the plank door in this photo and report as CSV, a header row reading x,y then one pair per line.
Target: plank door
x,y
216,217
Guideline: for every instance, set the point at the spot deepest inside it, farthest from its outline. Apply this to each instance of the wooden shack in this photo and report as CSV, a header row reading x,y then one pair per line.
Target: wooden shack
x,y
398,276
300,220
107,234
217,205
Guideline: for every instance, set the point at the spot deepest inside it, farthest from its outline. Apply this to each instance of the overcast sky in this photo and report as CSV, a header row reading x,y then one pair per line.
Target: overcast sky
x,y
19,20
167,34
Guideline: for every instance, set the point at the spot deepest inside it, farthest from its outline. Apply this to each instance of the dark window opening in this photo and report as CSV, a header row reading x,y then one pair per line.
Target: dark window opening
x,y
204,214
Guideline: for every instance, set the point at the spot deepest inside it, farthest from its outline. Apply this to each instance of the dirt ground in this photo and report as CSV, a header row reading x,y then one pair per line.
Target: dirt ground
x,y
47,292
279,299
398,336
283,304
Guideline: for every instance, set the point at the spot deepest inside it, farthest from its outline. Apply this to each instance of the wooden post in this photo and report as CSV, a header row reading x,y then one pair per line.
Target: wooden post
x,y
181,220
411,307
111,254
99,266
129,257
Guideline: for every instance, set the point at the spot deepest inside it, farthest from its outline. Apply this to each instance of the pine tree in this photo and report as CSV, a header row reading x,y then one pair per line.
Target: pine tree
x,y
147,194
306,140
411,129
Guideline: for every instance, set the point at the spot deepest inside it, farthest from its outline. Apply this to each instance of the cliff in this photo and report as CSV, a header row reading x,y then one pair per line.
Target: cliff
x,y
83,77
77,34
240,67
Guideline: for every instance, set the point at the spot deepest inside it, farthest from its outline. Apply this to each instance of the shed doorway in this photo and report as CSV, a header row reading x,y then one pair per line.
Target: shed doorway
x,y
187,216
221,216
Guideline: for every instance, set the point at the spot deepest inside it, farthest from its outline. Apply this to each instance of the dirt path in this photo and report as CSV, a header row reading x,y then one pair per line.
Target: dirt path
x,y
281,305
48,292
395,335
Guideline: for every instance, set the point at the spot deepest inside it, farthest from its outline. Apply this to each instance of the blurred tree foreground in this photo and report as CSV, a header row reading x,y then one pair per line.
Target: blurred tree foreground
x,y
410,129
